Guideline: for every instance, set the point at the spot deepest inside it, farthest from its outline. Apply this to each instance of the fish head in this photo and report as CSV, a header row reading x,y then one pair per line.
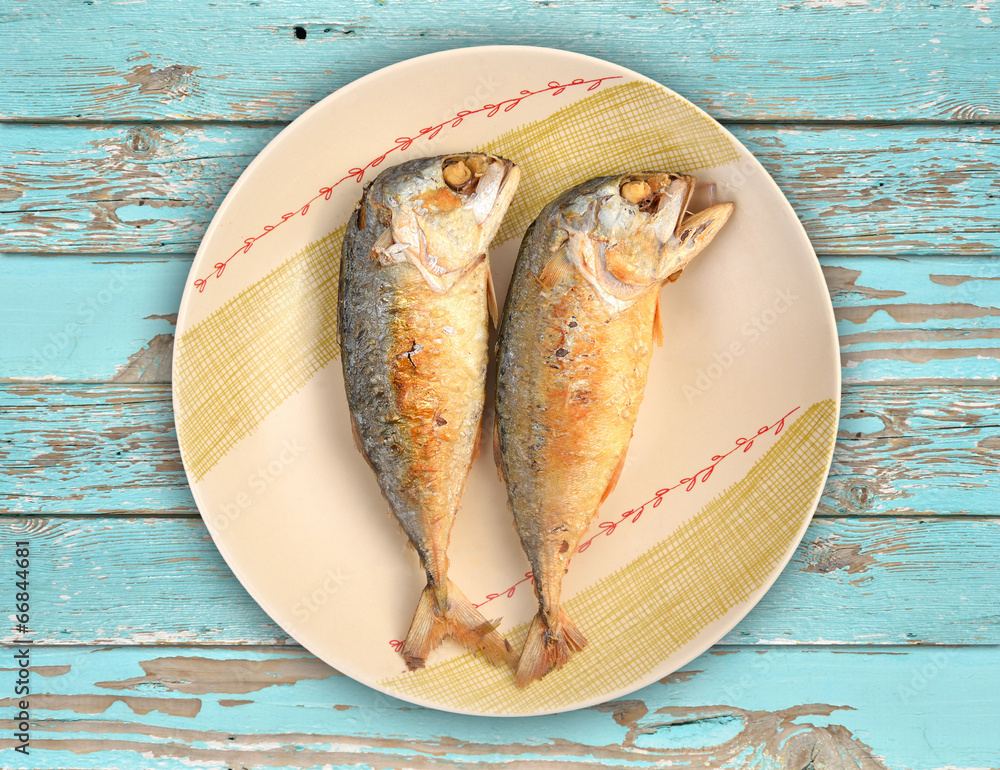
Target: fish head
x,y
630,233
444,213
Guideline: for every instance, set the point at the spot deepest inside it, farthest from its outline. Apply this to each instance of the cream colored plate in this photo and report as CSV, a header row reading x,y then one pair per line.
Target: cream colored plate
x,y
732,445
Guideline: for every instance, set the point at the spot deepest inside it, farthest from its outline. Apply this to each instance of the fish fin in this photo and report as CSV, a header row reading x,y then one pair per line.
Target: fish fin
x,y
356,435
384,239
460,621
544,650
362,204
491,296
556,268
615,475
658,323
385,250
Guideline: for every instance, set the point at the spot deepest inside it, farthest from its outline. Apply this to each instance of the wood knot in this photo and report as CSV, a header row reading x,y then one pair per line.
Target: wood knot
x,y
140,140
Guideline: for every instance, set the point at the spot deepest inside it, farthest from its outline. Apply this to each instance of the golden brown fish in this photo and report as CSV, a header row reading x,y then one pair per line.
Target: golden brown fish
x,y
575,341
415,293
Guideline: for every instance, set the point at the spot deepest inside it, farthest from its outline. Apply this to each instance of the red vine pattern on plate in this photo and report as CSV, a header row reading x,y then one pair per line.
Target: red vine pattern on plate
x,y
553,88
607,528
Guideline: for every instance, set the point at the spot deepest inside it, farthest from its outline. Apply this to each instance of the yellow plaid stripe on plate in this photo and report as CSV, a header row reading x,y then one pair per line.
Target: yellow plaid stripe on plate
x,y
251,354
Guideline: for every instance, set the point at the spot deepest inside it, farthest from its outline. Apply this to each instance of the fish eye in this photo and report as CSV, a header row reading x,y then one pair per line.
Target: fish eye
x,y
462,172
456,174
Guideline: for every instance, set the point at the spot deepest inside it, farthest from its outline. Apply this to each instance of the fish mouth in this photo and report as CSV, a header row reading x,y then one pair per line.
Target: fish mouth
x,y
667,199
463,172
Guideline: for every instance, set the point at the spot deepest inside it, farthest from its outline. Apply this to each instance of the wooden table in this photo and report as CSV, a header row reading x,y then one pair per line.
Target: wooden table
x,y
124,124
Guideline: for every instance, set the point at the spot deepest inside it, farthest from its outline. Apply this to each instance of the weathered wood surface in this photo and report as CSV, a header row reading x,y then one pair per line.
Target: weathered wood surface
x,y
768,709
851,582
818,60
910,449
112,318
79,319
77,450
916,318
153,188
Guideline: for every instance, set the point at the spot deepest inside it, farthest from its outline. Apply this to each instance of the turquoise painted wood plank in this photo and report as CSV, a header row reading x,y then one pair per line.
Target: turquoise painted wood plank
x,y
111,318
95,319
112,450
877,60
864,581
920,449
112,189
769,709
887,189
915,449
154,188
914,317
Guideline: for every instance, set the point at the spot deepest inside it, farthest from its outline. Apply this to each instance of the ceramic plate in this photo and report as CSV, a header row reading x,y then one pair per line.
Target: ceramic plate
x,y
733,441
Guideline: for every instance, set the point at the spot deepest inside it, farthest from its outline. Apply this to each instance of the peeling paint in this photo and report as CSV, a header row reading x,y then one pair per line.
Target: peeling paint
x,y
958,280
765,739
198,676
843,280
150,364
915,312
174,81
99,704
170,318
825,555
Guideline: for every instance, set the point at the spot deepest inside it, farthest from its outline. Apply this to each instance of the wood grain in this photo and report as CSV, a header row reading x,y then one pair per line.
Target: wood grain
x,y
730,708
123,125
820,60
916,448
909,449
153,188
866,581
113,189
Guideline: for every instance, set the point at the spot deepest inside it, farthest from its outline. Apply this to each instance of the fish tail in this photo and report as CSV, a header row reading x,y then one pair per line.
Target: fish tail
x,y
545,650
459,620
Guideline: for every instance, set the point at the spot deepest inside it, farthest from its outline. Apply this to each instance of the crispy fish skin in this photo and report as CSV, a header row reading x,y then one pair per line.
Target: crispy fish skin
x,y
414,301
575,341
